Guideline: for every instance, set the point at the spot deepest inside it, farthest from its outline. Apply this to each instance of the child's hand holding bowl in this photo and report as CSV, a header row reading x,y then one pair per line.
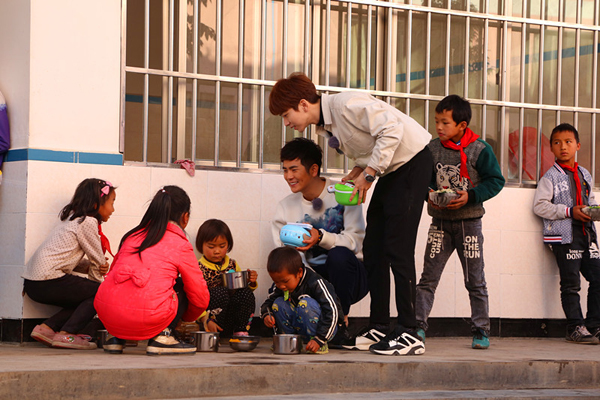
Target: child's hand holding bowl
x,y
252,276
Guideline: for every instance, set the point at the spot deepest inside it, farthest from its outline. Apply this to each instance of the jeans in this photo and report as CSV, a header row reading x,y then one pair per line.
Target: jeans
x,y
299,320
347,274
392,222
582,255
466,238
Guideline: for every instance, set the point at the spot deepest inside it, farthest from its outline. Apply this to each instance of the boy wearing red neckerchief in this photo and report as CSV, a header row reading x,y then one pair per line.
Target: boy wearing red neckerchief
x,y
561,195
467,165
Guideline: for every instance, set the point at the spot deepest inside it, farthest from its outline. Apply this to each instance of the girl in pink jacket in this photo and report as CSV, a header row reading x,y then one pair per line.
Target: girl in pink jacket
x,y
143,296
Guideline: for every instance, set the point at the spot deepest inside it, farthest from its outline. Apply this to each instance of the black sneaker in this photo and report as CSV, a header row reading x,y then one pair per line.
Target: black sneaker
x,y
581,335
114,345
400,342
341,338
364,339
596,333
165,344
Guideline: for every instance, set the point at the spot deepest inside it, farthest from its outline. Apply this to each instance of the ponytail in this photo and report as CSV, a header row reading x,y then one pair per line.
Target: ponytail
x,y
168,204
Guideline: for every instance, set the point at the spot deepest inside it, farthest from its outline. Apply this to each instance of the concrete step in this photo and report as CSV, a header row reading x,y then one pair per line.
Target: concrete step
x,y
536,394
448,366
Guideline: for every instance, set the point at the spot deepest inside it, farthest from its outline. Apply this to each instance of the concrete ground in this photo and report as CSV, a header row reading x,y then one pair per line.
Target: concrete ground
x,y
511,368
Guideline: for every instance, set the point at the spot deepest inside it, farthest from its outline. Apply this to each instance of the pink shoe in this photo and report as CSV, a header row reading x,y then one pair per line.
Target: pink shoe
x,y
241,333
70,341
43,334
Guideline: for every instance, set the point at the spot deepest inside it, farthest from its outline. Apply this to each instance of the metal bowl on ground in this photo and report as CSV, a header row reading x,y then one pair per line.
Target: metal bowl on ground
x,y
244,343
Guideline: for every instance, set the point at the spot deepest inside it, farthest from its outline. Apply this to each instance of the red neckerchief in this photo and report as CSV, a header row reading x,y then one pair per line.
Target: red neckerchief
x,y
104,241
574,170
468,138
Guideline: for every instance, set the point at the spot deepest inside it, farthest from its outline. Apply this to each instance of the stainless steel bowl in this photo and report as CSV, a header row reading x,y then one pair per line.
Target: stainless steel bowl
x,y
287,344
244,343
235,280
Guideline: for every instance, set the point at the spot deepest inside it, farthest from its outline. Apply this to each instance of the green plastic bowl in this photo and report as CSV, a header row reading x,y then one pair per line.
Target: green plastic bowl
x,y
343,191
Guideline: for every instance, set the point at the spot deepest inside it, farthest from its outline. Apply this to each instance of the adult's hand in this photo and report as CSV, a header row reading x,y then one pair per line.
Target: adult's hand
x,y
361,185
310,241
353,174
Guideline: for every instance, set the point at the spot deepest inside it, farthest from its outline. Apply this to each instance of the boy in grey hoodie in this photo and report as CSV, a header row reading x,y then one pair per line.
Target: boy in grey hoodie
x,y
466,164
561,195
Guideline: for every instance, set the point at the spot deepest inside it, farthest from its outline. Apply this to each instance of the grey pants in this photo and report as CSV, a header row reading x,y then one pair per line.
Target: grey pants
x,y
466,238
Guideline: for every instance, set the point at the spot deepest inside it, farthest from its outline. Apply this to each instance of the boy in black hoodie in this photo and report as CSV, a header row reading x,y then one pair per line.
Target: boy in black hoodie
x,y
303,302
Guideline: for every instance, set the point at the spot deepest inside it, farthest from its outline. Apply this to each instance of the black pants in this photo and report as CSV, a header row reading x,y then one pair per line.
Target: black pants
x,y
581,255
182,304
347,274
392,223
75,294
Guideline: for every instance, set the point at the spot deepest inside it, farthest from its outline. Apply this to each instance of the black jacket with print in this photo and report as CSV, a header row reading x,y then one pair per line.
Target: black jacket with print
x,y
316,287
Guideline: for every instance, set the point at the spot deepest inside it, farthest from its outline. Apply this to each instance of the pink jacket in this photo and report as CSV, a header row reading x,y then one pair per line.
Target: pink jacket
x,y
136,301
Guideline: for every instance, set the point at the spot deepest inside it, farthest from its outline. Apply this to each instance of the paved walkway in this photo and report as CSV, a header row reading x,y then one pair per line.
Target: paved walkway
x,y
449,364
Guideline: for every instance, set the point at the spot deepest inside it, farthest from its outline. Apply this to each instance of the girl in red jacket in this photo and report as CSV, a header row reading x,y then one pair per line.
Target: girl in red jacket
x,y
143,297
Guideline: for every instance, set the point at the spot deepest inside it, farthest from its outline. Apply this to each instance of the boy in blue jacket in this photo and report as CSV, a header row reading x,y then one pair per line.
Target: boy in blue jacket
x,y
562,193
467,165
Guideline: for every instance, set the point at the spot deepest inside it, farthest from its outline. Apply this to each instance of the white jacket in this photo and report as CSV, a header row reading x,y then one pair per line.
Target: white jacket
x,y
371,132
341,226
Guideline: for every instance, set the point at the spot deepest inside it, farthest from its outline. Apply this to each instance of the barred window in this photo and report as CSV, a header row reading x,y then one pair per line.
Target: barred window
x,y
196,74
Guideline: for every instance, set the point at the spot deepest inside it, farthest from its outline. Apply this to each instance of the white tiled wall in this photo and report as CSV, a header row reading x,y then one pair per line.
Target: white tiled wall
x,y
521,273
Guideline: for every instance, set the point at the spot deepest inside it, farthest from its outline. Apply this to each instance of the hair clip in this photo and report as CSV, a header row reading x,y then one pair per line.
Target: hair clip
x,y
317,203
106,188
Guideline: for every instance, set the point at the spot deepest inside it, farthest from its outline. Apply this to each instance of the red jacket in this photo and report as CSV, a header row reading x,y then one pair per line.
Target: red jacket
x,y
136,301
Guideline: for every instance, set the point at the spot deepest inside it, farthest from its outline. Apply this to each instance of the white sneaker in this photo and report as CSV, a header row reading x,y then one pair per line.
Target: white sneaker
x,y
400,342
365,339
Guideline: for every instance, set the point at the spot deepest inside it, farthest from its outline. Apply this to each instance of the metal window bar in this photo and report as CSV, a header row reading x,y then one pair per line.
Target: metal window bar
x,y
284,55
263,58
123,76
348,43
238,160
408,41
595,94
467,47
503,74
522,98
540,93
218,44
427,67
195,81
146,79
369,38
170,88
447,69
306,36
181,83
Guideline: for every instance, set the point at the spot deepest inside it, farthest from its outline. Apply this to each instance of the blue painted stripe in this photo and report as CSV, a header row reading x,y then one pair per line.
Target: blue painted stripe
x,y
64,156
